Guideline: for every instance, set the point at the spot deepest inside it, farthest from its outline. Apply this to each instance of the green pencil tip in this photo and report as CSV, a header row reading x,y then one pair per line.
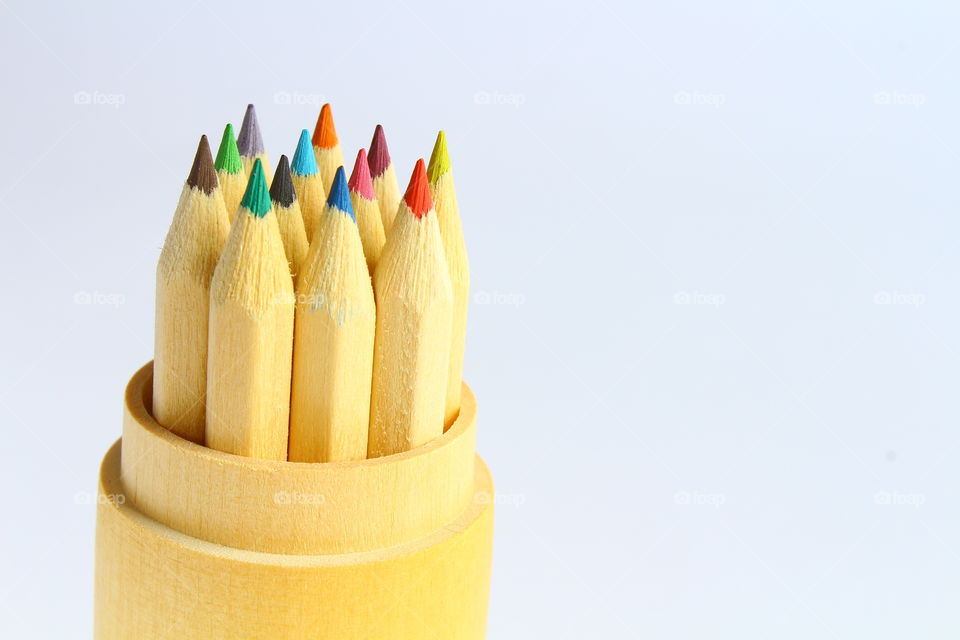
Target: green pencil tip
x,y
228,155
257,196
439,159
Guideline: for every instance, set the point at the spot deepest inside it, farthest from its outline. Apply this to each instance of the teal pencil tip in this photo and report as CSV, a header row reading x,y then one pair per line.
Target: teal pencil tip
x,y
257,196
304,162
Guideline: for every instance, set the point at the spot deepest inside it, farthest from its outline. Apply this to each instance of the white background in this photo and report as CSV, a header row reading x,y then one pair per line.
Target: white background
x,y
714,249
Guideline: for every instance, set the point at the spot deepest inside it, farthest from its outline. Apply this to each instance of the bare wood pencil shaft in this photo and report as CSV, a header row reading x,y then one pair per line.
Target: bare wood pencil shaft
x,y
455,251
414,318
388,196
311,196
232,185
367,212
333,347
286,209
186,266
251,336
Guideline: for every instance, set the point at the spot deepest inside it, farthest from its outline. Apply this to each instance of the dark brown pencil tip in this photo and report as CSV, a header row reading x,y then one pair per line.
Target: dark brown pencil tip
x,y
203,176
281,191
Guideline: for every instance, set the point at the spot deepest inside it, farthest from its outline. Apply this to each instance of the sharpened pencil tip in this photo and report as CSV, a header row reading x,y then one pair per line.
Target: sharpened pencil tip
x,y
360,180
339,197
379,157
250,140
417,196
228,156
439,159
304,162
281,191
325,134
203,175
257,196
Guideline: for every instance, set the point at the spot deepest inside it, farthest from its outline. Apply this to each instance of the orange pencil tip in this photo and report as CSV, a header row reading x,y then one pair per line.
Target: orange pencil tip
x,y
325,134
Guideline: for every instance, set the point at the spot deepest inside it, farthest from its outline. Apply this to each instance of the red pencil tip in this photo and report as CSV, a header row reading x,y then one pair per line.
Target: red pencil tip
x,y
417,196
325,134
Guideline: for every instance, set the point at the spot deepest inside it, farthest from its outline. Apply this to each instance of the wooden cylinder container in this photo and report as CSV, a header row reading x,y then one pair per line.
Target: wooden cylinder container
x,y
196,543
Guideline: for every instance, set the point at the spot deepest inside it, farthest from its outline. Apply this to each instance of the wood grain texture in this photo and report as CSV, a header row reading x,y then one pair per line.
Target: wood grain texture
x,y
370,225
312,195
328,161
294,507
388,196
293,234
366,211
158,583
455,251
333,346
251,340
286,210
249,161
414,321
232,186
184,271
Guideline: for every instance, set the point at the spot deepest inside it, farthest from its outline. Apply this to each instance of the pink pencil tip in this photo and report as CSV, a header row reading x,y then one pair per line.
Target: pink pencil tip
x,y
360,180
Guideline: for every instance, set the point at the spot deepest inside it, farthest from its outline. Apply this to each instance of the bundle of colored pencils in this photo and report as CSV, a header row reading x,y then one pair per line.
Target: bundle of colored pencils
x,y
317,319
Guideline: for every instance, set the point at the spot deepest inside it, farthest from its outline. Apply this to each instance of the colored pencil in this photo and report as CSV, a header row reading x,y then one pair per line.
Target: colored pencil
x,y
326,145
308,183
384,178
251,334
286,210
455,250
366,211
233,180
333,342
414,318
189,256
250,144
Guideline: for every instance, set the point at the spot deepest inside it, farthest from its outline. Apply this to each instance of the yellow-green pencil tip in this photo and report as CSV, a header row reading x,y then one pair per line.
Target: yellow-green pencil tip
x,y
439,159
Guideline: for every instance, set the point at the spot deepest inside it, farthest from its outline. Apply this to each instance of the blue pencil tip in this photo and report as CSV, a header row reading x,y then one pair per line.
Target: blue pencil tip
x,y
304,162
339,197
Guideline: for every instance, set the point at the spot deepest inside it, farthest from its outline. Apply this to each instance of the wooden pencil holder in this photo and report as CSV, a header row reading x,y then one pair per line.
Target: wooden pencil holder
x,y
196,543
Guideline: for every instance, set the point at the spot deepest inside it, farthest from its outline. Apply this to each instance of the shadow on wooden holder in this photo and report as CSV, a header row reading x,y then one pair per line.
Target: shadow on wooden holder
x,y
196,543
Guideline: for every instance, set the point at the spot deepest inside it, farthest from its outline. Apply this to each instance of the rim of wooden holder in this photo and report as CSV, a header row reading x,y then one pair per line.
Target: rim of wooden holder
x,y
294,507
